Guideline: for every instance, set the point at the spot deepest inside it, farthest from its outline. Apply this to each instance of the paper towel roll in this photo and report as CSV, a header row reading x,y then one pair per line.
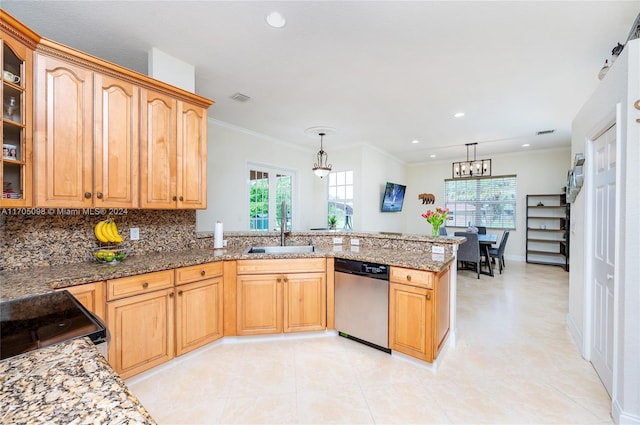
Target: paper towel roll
x,y
217,236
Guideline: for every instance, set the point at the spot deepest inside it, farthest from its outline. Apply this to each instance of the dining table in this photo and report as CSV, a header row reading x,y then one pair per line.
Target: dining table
x,y
485,241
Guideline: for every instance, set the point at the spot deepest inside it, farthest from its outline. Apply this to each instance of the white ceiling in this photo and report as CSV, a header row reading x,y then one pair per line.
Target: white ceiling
x,y
381,73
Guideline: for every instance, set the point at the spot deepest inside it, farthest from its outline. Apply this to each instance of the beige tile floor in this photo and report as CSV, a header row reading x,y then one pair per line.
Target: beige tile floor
x,y
514,362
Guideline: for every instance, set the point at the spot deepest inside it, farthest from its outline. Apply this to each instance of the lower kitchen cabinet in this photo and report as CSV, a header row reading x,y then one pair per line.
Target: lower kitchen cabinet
x,y
140,317
198,306
270,300
410,320
305,302
91,296
259,309
418,312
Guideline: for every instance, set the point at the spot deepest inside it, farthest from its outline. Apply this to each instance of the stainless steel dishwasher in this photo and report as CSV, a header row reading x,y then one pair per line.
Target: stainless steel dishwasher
x,y
362,302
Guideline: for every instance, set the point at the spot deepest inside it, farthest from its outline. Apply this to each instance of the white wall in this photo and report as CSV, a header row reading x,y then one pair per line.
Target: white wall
x,y
378,168
538,172
171,70
229,151
231,148
613,100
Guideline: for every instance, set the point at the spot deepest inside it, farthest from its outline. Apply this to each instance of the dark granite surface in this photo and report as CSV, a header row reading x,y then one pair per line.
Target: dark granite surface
x,y
21,283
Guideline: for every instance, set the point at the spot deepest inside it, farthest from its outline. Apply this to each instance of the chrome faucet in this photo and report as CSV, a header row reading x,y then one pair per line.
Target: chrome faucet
x,y
283,222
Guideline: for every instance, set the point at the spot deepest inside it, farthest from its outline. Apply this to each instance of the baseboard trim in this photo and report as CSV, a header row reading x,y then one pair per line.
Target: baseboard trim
x,y
621,417
576,335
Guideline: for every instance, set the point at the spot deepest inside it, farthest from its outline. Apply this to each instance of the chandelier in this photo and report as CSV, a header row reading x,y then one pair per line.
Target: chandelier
x,y
471,167
321,168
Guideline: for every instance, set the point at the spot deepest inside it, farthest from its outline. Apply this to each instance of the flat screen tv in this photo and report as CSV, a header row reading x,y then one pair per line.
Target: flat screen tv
x,y
393,197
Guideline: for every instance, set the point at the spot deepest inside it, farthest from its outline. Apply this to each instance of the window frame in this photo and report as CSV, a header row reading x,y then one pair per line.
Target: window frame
x,y
273,205
459,208
344,223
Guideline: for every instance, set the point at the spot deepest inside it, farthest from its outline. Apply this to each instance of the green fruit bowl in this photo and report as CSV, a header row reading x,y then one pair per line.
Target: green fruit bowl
x,y
110,255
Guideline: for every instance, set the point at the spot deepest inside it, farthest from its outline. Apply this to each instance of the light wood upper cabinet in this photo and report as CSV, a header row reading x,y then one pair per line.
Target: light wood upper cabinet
x,y
116,163
158,157
87,137
63,134
192,156
95,129
16,123
173,153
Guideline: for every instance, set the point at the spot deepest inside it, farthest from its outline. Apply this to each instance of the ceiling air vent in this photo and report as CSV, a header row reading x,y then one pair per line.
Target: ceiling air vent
x,y
540,133
240,97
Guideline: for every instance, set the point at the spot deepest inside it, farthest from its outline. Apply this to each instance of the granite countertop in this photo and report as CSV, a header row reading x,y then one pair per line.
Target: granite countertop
x,y
66,383
39,280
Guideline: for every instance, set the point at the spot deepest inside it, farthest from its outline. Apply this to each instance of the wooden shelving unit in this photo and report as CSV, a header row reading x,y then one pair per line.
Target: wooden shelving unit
x,y
548,230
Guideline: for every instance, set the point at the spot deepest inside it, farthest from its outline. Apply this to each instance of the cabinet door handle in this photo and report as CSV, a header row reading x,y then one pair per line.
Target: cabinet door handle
x,y
286,279
202,272
87,195
175,198
278,280
428,296
99,195
145,285
180,293
181,198
408,278
171,294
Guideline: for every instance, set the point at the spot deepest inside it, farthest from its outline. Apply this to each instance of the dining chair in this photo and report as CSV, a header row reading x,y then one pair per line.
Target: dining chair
x,y
469,252
499,251
443,231
482,230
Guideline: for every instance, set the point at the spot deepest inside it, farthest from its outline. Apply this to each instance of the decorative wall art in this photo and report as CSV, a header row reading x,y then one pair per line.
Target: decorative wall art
x,y
427,198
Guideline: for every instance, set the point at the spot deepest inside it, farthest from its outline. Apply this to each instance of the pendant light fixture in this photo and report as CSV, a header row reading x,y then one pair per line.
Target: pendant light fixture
x,y
471,167
321,168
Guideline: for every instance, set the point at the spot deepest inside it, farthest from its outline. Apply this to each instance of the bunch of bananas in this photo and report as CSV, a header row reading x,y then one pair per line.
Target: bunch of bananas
x,y
107,232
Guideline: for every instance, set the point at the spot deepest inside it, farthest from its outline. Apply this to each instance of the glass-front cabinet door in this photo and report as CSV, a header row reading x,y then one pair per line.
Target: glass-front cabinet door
x,y
16,60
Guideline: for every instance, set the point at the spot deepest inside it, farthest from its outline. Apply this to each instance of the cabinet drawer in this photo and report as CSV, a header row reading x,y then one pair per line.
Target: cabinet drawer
x,y
198,272
420,278
140,284
295,265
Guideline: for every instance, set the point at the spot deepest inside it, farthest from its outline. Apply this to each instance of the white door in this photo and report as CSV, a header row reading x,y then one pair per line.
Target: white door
x,y
604,255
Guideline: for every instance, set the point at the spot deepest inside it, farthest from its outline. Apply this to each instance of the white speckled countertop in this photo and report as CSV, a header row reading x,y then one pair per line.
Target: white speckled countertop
x,y
66,383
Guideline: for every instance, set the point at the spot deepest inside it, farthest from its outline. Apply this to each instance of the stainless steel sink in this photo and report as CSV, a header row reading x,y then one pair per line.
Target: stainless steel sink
x,y
291,249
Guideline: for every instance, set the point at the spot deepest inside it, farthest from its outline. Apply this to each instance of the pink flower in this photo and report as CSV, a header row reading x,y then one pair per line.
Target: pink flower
x,y
436,218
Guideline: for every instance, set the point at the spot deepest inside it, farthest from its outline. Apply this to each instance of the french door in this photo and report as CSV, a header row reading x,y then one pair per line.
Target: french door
x,y
268,188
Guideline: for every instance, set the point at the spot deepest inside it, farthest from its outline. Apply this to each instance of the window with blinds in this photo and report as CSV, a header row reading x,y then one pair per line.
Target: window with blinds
x,y
482,201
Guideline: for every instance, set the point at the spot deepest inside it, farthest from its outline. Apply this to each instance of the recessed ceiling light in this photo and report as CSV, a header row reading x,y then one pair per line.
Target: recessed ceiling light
x,y
275,20
526,145
458,115
415,142
433,155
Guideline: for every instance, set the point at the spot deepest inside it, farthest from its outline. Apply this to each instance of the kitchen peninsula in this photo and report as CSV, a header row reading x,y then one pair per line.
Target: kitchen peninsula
x,y
404,252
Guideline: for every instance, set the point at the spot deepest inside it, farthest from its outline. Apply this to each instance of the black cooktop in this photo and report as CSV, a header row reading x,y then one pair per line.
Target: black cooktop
x,y
42,320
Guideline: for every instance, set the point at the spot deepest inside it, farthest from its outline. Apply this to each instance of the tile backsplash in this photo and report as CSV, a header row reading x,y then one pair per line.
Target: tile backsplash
x,y
66,238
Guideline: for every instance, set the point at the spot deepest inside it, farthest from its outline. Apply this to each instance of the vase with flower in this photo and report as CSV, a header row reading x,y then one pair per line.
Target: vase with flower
x,y
436,219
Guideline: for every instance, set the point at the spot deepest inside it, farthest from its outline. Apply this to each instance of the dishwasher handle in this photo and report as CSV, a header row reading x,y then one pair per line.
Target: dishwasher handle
x,y
381,276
